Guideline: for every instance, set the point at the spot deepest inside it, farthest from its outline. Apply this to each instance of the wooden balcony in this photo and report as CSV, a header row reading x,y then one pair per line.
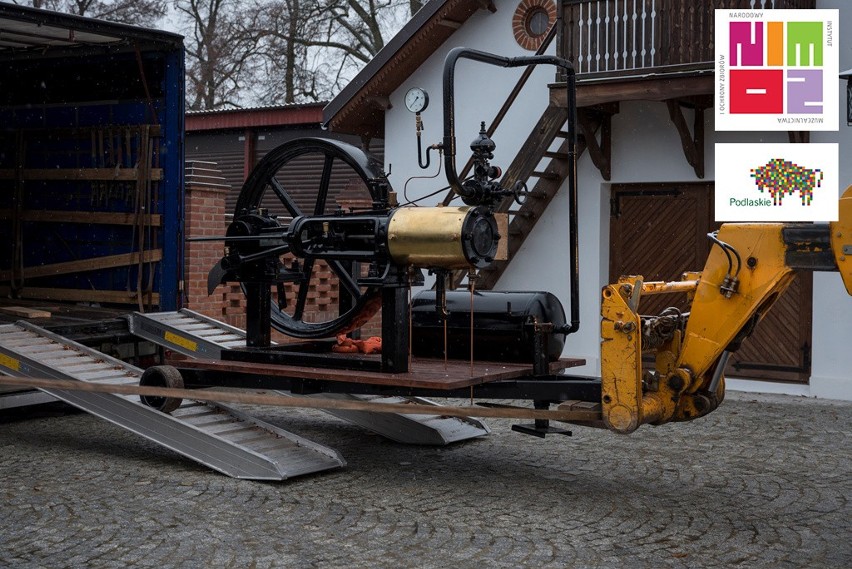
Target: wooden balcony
x,y
605,38
645,50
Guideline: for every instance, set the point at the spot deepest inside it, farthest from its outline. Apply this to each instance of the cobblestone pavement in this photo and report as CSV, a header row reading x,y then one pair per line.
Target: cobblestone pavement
x,y
763,482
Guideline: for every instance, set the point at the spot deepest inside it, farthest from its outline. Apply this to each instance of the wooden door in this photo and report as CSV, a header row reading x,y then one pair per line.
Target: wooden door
x,y
659,231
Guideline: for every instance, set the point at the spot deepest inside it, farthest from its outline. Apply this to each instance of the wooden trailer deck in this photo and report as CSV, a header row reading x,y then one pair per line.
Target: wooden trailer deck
x,y
424,373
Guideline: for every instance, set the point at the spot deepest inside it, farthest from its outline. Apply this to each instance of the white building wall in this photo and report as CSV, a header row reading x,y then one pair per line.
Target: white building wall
x,y
646,148
831,376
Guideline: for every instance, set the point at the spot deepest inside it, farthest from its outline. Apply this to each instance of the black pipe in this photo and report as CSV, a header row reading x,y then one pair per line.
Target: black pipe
x,y
573,206
449,147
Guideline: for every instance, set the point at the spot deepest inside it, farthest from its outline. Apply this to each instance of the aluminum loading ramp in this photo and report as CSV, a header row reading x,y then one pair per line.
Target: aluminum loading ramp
x,y
216,436
198,336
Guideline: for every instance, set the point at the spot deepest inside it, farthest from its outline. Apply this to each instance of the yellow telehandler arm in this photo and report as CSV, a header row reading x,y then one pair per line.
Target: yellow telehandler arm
x,y
749,267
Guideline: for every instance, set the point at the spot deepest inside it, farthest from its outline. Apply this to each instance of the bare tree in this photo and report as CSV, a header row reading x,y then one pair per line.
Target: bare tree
x,y
282,23
262,51
355,31
358,28
221,50
313,47
283,26
136,12
354,27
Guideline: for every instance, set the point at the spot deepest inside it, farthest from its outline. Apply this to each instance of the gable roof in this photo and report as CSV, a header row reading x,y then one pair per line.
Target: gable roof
x,y
359,108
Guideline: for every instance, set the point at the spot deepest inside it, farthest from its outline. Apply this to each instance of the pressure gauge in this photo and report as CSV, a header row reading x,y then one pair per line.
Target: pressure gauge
x,y
416,100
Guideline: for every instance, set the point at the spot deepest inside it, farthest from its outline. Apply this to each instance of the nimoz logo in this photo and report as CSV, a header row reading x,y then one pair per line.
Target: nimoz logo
x,y
771,59
775,68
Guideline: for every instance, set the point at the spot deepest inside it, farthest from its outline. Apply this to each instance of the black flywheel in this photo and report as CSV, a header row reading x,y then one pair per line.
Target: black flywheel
x,y
315,176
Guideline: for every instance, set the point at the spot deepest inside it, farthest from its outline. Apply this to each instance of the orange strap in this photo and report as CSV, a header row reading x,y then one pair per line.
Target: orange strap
x,y
372,345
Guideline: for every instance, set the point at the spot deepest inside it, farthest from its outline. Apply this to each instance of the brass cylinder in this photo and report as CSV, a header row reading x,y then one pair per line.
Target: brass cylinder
x,y
443,237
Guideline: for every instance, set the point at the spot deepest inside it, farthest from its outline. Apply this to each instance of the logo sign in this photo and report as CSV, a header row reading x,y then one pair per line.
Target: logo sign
x,y
776,69
776,182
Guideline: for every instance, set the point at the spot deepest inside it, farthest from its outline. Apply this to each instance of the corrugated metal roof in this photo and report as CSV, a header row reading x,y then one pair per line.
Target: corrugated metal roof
x,y
280,115
257,108
300,178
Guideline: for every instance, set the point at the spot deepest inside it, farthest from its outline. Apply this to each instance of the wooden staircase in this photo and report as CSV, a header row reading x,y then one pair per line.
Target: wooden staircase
x,y
547,170
536,161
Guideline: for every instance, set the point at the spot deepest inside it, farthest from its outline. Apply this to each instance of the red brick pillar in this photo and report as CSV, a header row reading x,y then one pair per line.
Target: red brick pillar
x,y
205,217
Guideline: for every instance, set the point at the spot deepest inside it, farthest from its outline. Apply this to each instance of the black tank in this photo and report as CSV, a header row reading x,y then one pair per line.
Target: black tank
x,y
502,324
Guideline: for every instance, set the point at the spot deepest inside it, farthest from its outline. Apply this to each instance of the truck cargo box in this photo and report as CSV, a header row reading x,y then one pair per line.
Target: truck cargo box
x,y
91,161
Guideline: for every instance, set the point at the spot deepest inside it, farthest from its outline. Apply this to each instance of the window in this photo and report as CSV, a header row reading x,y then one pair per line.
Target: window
x,y
532,21
537,22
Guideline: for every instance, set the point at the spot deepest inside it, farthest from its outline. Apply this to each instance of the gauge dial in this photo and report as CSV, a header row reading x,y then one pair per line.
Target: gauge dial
x,y
416,100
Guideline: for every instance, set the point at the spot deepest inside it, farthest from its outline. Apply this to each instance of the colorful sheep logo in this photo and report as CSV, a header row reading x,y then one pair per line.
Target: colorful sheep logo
x,y
779,177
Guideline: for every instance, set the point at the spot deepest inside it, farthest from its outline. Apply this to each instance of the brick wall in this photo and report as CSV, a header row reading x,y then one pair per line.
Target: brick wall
x,y
205,216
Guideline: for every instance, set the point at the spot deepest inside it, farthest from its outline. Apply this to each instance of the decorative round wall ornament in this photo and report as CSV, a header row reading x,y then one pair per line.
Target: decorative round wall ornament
x,y
532,21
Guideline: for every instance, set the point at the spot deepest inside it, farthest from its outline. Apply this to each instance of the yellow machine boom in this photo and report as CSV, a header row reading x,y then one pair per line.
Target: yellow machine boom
x,y
745,274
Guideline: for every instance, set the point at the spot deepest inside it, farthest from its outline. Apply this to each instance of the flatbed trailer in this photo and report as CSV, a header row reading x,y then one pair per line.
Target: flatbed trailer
x,y
425,378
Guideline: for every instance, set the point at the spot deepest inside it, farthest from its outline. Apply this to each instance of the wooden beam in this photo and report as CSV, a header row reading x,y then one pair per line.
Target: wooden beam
x,y
79,295
604,108
693,144
696,101
658,88
83,265
574,412
85,131
600,153
24,312
698,139
18,206
380,102
98,217
487,5
449,23
80,174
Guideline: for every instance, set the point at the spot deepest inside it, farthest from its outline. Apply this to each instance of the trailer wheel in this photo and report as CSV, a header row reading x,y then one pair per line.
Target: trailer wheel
x,y
162,376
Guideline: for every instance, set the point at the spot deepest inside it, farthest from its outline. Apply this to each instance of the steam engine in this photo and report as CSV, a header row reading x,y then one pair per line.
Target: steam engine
x,y
377,254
